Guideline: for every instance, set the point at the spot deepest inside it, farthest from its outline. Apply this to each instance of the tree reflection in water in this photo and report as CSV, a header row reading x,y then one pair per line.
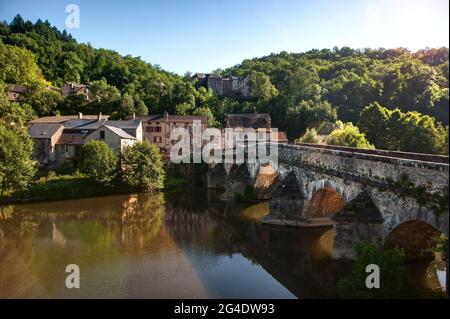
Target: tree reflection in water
x,y
178,245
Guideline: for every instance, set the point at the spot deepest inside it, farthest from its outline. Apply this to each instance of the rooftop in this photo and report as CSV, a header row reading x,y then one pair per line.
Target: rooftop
x,y
16,88
43,130
175,118
72,139
119,132
249,121
65,118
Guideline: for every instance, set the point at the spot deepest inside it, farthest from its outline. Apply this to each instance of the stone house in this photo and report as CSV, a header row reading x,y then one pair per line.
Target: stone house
x,y
75,88
14,91
57,139
157,128
115,137
45,137
227,85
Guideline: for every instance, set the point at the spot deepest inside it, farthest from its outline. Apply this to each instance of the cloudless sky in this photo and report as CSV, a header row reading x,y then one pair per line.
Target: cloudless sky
x,y
203,35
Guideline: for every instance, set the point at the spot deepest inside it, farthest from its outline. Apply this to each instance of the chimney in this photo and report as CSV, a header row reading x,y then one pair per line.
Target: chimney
x,y
80,115
134,115
166,114
99,116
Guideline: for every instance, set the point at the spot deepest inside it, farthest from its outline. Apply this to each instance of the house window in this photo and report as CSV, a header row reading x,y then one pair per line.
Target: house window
x,y
150,129
102,135
66,151
157,139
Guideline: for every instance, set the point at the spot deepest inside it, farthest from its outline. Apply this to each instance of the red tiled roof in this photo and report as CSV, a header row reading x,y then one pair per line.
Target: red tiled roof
x,y
282,137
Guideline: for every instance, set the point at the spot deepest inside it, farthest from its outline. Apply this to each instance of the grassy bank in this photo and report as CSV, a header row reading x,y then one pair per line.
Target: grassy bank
x,y
60,187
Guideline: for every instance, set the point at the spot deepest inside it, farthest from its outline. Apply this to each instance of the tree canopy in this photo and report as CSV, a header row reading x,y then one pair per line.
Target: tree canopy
x,y
298,90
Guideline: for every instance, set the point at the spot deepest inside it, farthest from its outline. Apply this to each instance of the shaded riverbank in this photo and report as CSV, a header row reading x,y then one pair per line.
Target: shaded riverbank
x,y
78,186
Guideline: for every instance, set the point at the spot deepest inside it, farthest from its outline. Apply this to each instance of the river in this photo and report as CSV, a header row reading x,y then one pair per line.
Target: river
x,y
180,245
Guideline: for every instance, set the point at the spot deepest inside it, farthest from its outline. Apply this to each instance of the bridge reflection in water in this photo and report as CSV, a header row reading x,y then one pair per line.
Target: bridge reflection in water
x,y
181,245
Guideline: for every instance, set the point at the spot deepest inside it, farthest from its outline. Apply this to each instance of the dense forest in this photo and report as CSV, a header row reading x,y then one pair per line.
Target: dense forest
x,y
394,98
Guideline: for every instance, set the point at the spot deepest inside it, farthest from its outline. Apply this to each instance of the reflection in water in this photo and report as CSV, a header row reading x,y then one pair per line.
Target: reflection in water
x,y
181,245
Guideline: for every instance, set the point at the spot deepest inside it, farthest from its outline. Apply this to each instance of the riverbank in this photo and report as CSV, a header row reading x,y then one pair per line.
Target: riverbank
x,y
76,186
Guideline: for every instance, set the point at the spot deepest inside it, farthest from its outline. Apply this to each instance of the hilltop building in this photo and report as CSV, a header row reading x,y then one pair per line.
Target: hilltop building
x,y
75,88
226,86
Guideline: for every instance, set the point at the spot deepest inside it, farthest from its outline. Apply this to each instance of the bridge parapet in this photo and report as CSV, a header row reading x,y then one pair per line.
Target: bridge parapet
x,y
369,168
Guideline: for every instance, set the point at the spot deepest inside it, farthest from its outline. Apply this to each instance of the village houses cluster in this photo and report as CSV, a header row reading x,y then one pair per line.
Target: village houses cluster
x,y
58,139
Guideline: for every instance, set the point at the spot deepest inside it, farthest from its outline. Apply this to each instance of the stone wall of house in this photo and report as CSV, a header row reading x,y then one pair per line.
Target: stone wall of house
x,y
113,140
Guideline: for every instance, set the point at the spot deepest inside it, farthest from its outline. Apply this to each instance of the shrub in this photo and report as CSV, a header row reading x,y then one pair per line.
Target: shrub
x,y
142,166
349,135
393,274
99,162
310,136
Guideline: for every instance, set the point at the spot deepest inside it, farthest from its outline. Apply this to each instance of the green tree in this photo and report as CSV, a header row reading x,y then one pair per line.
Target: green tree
x,y
18,65
208,113
374,123
141,108
308,113
142,166
349,136
99,162
260,86
16,166
44,101
183,108
126,105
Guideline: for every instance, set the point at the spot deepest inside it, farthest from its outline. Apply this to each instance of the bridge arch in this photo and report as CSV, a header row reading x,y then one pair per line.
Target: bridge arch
x,y
416,237
266,177
439,222
324,203
325,198
317,185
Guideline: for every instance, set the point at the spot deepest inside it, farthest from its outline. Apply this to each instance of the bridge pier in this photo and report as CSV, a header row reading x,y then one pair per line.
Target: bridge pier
x,y
285,210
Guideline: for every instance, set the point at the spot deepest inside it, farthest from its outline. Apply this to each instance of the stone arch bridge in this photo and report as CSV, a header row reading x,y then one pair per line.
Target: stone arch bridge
x,y
379,196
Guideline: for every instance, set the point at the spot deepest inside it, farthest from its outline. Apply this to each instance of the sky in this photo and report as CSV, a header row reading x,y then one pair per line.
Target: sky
x,y
203,35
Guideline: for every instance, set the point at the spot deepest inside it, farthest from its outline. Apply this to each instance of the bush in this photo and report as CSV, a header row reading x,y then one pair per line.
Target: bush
x,y
393,274
16,166
310,136
142,166
349,135
99,162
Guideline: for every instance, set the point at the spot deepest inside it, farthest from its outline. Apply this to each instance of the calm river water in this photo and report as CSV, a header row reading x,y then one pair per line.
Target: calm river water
x,y
179,245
